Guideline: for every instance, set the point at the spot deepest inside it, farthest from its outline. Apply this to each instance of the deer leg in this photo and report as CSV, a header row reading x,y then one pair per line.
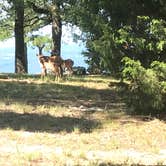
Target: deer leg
x,y
44,72
55,71
60,71
71,70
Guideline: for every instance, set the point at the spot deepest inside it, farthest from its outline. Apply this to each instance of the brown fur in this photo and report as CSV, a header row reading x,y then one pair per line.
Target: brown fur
x,y
52,63
68,64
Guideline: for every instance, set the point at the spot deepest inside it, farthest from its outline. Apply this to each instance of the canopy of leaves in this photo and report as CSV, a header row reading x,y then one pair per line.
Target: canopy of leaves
x,y
6,20
32,20
41,42
116,28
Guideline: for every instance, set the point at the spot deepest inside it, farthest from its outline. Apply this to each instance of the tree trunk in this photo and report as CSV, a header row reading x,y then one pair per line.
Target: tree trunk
x,y
26,57
20,56
40,48
53,10
56,29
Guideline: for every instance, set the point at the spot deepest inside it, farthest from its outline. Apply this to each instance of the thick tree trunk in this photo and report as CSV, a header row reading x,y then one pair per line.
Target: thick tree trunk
x,y
20,56
56,29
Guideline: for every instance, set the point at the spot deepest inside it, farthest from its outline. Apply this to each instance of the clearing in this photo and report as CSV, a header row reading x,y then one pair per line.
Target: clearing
x,y
77,121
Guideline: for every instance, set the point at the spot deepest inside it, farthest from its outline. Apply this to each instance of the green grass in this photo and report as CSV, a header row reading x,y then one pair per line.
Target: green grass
x,y
74,121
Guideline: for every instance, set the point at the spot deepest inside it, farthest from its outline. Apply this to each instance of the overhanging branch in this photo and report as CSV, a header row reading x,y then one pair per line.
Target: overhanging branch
x,y
38,9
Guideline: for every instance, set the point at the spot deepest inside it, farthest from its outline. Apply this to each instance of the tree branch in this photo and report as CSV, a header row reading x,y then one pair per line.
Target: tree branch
x,y
38,9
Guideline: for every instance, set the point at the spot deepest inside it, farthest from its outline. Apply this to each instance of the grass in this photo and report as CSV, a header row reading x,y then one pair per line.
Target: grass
x,y
76,121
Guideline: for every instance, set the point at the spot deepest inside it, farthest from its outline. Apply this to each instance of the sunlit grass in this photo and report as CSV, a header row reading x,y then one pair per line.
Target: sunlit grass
x,y
52,123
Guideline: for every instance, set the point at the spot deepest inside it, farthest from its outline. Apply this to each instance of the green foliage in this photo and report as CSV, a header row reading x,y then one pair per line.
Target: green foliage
x,y
132,69
93,60
106,48
145,41
112,29
4,34
6,20
147,91
32,20
41,42
119,28
160,69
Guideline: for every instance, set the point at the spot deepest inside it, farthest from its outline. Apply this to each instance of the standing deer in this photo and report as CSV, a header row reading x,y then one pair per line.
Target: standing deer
x,y
53,63
68,65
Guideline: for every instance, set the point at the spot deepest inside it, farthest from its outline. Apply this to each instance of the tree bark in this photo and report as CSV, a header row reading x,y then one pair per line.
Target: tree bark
x,y
41,49
20,56
56,29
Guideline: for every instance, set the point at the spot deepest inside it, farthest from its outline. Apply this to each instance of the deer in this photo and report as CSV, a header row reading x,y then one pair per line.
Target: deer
x,y
68,65
53,63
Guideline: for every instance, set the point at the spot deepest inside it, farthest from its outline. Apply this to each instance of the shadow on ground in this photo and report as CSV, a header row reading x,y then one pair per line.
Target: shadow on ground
x,y
45,123
53,94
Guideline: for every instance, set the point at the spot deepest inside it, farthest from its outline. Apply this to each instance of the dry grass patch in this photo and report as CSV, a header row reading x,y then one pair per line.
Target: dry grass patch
x,y
73,122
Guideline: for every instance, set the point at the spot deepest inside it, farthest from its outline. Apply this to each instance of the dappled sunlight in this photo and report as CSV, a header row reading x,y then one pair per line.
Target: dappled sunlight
x,y
74,120
36,92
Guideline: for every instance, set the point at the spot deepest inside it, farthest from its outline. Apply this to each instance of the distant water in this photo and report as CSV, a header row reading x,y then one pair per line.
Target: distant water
x,y
7,59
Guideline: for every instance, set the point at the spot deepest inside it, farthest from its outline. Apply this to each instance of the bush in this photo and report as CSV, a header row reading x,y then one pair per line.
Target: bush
x,y
79,70
160,69
147,88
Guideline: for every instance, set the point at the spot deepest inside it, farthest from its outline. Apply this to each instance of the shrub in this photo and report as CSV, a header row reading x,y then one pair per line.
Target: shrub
x,y
147,88
160,69
79,70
